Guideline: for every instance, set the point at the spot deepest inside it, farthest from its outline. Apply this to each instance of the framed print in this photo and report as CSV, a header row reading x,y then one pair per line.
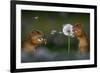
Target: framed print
x,y
52,36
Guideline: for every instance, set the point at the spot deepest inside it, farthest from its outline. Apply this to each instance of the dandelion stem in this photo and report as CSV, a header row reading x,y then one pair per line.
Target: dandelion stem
x,y
68,45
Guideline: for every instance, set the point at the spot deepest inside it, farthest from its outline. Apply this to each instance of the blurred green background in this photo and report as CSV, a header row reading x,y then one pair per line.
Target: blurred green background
x,y
47,22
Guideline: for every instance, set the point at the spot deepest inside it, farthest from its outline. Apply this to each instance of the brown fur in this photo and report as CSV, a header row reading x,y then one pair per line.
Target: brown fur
x,y
84,45
34,39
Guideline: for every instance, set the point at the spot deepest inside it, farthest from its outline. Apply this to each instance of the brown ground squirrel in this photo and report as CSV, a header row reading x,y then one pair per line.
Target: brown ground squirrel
x,y
84,44
34,39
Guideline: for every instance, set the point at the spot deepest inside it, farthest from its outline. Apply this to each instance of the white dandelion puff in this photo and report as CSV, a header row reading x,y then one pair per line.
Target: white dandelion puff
x,y
68,30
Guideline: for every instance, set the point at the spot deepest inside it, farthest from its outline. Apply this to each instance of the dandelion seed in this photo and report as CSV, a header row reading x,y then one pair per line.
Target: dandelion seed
x,y
60,32
36,17
53,32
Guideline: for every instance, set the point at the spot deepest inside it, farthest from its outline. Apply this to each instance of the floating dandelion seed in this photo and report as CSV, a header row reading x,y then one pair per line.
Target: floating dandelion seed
x,y
68,31
36,17
60,32
53,32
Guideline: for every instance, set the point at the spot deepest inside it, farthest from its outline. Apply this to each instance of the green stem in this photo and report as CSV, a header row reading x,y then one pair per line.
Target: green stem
x,y
68,45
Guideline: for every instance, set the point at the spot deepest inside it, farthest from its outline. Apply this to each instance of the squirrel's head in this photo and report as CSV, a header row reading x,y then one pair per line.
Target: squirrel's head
x,y
78,29
37,37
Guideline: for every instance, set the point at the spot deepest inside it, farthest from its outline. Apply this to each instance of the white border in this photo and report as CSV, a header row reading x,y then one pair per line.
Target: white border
x,y
20,65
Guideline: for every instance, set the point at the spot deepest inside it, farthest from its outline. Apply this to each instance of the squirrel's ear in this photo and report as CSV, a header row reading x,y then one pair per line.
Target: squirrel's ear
x,y
33,33
39,32
78,24
36,32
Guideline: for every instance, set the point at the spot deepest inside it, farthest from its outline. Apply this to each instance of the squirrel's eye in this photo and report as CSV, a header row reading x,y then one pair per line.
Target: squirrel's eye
x,y
40,39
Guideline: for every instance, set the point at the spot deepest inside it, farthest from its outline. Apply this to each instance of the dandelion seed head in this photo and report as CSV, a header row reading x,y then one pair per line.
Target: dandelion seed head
x,y
68,30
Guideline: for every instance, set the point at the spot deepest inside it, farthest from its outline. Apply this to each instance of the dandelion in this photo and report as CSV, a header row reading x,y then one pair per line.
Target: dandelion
x,y
68,31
